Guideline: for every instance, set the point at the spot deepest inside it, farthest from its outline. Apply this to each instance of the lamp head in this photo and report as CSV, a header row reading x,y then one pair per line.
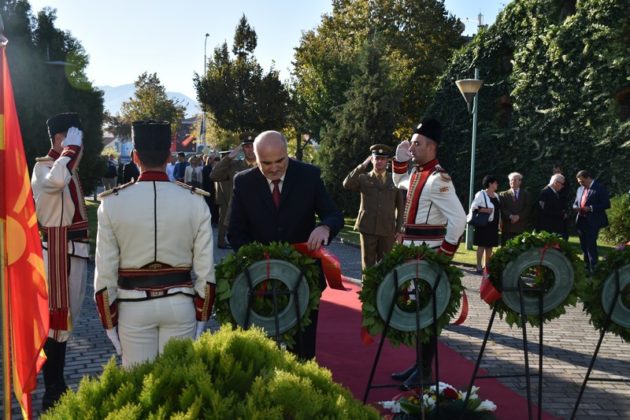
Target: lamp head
x,y
469,88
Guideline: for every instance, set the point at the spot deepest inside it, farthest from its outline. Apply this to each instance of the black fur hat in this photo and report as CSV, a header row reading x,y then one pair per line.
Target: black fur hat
x,y
431,128
62,122
151,135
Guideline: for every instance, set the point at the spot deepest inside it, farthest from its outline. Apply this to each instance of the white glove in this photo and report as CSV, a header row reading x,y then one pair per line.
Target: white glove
x,y
74,137
112,334
201,326
402,151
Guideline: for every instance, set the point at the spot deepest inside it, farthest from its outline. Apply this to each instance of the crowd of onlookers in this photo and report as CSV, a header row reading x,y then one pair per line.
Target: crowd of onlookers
x,y
511,211
193,170
515,210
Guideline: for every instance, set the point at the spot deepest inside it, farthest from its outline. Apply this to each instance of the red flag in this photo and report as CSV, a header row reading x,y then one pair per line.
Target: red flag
x,y
23,269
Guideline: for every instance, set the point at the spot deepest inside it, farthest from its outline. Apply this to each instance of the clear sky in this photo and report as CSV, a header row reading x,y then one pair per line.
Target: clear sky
x,y
124,38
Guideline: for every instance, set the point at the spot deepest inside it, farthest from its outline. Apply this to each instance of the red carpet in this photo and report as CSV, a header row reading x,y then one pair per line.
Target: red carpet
x,y
339,348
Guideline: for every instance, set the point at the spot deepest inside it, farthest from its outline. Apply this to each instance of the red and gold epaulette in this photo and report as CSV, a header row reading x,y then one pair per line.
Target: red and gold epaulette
x,y
192,189
115,190
442,172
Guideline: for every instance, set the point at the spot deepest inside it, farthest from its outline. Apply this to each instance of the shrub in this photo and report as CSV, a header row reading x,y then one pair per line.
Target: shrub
x,y
618,230
230,374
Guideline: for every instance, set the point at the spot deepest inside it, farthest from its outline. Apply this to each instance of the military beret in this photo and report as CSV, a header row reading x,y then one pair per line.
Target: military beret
x,y
431,128
381,150
62,122
151,135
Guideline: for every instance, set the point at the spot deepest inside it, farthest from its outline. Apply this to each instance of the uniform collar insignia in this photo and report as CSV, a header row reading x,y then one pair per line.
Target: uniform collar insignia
x,y
153,176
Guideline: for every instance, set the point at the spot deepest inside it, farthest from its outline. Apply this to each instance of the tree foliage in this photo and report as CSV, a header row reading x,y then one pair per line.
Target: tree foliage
x,y
367,117
417,37
238,94
555,91
414,38
150,102
48,75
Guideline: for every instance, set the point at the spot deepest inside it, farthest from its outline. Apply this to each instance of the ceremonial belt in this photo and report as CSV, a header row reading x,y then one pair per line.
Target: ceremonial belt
x,y
154,279
424,232
73,235
75,231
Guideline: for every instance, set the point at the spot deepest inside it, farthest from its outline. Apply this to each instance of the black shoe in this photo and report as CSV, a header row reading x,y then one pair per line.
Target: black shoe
x,y
402,376
413,381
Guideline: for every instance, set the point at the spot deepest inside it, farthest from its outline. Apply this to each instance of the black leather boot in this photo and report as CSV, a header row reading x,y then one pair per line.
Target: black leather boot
x,y
413,380
53,373
402,376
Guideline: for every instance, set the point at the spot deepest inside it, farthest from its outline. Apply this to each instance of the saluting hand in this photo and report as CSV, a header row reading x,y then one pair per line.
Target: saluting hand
x,y
402,151
234,153
367,161
74,137
319,236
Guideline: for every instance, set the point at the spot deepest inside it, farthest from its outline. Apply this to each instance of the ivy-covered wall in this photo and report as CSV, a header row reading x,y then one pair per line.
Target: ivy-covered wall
x,y
556,90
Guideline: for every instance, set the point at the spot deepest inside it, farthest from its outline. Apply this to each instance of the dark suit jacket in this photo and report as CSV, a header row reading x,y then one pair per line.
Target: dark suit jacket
x,y
521,207
130,171
254,217
550,212
599,200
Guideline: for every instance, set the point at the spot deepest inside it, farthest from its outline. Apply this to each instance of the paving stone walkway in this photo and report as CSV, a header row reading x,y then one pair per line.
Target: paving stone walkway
x,y
568,345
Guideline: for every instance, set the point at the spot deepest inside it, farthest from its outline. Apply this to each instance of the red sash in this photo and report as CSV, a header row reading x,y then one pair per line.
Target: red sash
x,y
58,300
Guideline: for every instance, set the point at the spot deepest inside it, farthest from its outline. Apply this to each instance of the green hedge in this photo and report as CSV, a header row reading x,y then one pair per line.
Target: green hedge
x,y
618,230
229,374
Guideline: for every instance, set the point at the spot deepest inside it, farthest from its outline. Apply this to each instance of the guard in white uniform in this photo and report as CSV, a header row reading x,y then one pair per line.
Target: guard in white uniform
x,y
433,214
63,224
152,234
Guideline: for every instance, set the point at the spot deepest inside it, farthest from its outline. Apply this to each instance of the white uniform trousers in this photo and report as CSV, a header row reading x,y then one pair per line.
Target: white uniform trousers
x,y
144,327
77,279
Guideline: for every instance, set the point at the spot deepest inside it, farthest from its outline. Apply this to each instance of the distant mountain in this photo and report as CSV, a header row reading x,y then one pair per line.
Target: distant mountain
x,y
116,95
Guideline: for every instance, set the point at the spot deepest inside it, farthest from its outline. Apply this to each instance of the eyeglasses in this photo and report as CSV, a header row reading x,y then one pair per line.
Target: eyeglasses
x,y
561,183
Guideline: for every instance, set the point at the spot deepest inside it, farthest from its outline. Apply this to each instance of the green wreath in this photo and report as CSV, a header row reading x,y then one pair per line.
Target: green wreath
x,y
591,292
375,275
234,264
527,244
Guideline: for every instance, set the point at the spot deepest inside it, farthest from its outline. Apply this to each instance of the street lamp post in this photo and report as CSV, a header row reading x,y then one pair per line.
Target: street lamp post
x,y
469,89
205,70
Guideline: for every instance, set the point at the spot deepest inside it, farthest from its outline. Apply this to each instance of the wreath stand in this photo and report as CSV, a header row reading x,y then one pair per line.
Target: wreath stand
x,y
292,291
540,297
370,385
617,295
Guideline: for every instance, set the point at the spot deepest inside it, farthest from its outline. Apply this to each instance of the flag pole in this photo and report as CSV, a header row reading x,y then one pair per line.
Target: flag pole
x,y
4,284
6,345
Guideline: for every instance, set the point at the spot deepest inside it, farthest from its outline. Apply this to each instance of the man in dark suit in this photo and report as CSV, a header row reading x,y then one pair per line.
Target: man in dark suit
x,y
516,207
591,202
550,209
278,201
237,160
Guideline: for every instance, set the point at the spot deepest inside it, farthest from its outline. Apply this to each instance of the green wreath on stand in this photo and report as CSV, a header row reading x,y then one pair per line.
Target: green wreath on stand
x,y
598,294
410,262
282,264
543,260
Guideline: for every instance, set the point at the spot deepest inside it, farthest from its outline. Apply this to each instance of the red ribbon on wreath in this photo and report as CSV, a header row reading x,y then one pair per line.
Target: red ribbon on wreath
x,y
487,291
330,264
